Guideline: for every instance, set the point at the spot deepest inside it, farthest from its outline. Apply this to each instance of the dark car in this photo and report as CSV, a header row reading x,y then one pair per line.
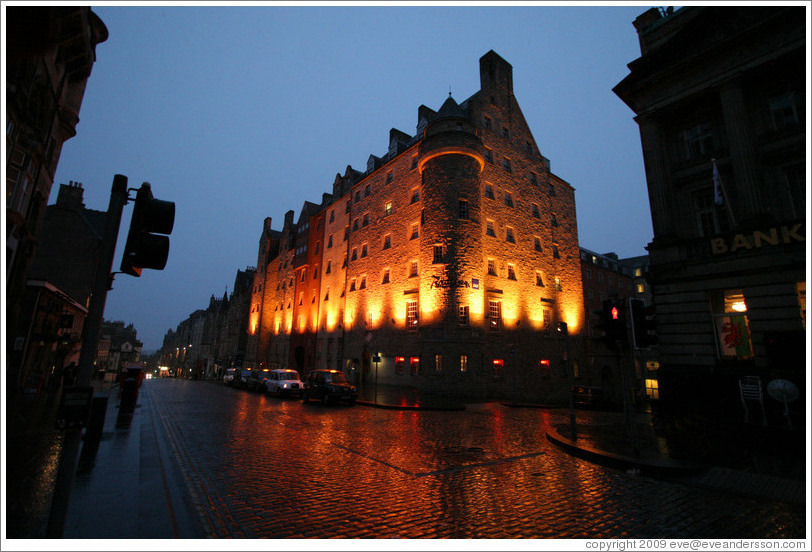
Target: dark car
x,y
327,386
242,377
587,396
256,381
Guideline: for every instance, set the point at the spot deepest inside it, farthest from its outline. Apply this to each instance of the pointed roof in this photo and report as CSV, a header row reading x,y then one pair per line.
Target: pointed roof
x,y
450,110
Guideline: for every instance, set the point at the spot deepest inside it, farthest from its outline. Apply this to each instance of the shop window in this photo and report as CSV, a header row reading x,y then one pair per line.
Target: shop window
x,y
731,324
414,364
463,363
498,366
544,367
400,365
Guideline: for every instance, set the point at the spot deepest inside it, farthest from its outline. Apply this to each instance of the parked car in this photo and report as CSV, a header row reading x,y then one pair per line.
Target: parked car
x,y
587,396
242,377
328,386
256,381
283,382
228,378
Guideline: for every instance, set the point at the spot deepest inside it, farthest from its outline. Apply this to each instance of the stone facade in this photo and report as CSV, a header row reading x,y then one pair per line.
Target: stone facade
x,y
718,93
447,265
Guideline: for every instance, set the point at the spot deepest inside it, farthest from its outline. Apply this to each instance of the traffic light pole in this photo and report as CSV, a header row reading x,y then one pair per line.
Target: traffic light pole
x,y
102,281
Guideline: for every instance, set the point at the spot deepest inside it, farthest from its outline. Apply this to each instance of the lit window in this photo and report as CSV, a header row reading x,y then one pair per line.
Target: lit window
x,y
463,363
732,324
494,315
558,286
438,363
641,288
387,208
498,365
414,362
399,364
652,389
411,315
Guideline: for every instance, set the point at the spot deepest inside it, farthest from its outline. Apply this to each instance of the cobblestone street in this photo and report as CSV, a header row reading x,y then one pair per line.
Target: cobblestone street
x,y
263,467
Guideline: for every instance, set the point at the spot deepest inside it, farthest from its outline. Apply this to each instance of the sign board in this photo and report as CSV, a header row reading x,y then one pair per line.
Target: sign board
x,y
74,409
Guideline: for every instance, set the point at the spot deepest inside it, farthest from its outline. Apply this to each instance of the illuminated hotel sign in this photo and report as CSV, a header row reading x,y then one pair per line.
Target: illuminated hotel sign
x,y
758,239
446,283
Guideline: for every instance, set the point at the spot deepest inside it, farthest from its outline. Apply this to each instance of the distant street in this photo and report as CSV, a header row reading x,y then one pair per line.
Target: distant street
x,y
260,466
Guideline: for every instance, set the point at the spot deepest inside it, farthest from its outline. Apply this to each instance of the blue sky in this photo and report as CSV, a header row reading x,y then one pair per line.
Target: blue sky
x,y
237,113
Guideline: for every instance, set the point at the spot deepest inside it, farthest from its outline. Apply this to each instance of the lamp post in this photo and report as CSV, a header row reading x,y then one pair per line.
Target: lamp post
x,y
564,332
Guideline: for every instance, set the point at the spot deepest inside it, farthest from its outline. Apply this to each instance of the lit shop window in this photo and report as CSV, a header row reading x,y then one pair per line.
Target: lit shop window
x,y
544,367
732,324
498,365
414,364
400,363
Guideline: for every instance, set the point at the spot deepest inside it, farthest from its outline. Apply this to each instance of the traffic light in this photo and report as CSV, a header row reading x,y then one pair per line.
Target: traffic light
x,y
147,241
643,324
612,322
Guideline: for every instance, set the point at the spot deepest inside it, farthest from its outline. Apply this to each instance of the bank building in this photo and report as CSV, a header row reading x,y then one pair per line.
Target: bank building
x,y
451,264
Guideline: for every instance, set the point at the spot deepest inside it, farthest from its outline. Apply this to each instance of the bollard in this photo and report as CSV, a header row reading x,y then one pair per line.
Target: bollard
x,y
129,395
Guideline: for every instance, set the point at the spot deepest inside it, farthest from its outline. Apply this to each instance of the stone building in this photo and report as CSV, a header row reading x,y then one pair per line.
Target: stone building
x,y
49,54
719,96
448,265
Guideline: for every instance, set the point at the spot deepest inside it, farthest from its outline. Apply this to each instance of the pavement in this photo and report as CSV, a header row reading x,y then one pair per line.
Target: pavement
x,y
128,487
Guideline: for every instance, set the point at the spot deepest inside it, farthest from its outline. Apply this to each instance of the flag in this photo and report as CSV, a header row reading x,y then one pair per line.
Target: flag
x,y
718,196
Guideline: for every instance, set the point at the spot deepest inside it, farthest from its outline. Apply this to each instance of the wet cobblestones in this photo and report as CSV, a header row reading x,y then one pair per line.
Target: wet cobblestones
x,y
261,467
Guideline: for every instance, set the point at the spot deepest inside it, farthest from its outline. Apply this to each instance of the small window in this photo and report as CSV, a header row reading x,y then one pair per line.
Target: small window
x,y
352,284
385,279
489,155
489,190
358,196
332,215
415,195
537,243
387,241
463,209
489,229
329,267
366,220
491,267
506,164
509,237
487,122
540,279
330,241
732,324
412,323
509,199
556,254
506,132
347,208
363,251
553,220
463,363
511,272
438,254
558,286
412,269
389,177
363,282
550,189
536,212
354,255
387,208
414,162
304,274
494,316
367,191
415,233
463,315
355,224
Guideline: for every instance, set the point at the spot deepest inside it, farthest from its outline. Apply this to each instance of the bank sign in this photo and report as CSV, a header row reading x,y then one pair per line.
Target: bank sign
x,y
777,235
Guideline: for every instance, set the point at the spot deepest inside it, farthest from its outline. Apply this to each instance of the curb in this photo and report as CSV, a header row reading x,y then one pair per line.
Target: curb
x,y
385,406
654,466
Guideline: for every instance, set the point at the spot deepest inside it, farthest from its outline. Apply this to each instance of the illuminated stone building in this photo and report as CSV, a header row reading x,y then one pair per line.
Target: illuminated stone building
x,y
719,96
449,264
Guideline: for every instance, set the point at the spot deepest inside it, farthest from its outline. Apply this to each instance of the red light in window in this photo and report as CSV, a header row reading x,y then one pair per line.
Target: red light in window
x,y
399,359
544,362
498,362
614,313
415,360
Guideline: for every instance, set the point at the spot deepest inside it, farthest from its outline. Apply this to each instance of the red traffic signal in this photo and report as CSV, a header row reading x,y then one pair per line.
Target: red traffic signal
x,y
147,241
615,313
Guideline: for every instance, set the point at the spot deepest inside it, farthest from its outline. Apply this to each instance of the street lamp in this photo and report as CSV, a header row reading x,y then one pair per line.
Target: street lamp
x,y
564,332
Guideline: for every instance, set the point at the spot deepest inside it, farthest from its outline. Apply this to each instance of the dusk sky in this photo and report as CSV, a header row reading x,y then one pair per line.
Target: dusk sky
x,y
238,113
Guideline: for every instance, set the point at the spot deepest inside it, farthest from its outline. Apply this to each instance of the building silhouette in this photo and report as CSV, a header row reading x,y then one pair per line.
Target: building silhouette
x,y
719,96
50,52
450,263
